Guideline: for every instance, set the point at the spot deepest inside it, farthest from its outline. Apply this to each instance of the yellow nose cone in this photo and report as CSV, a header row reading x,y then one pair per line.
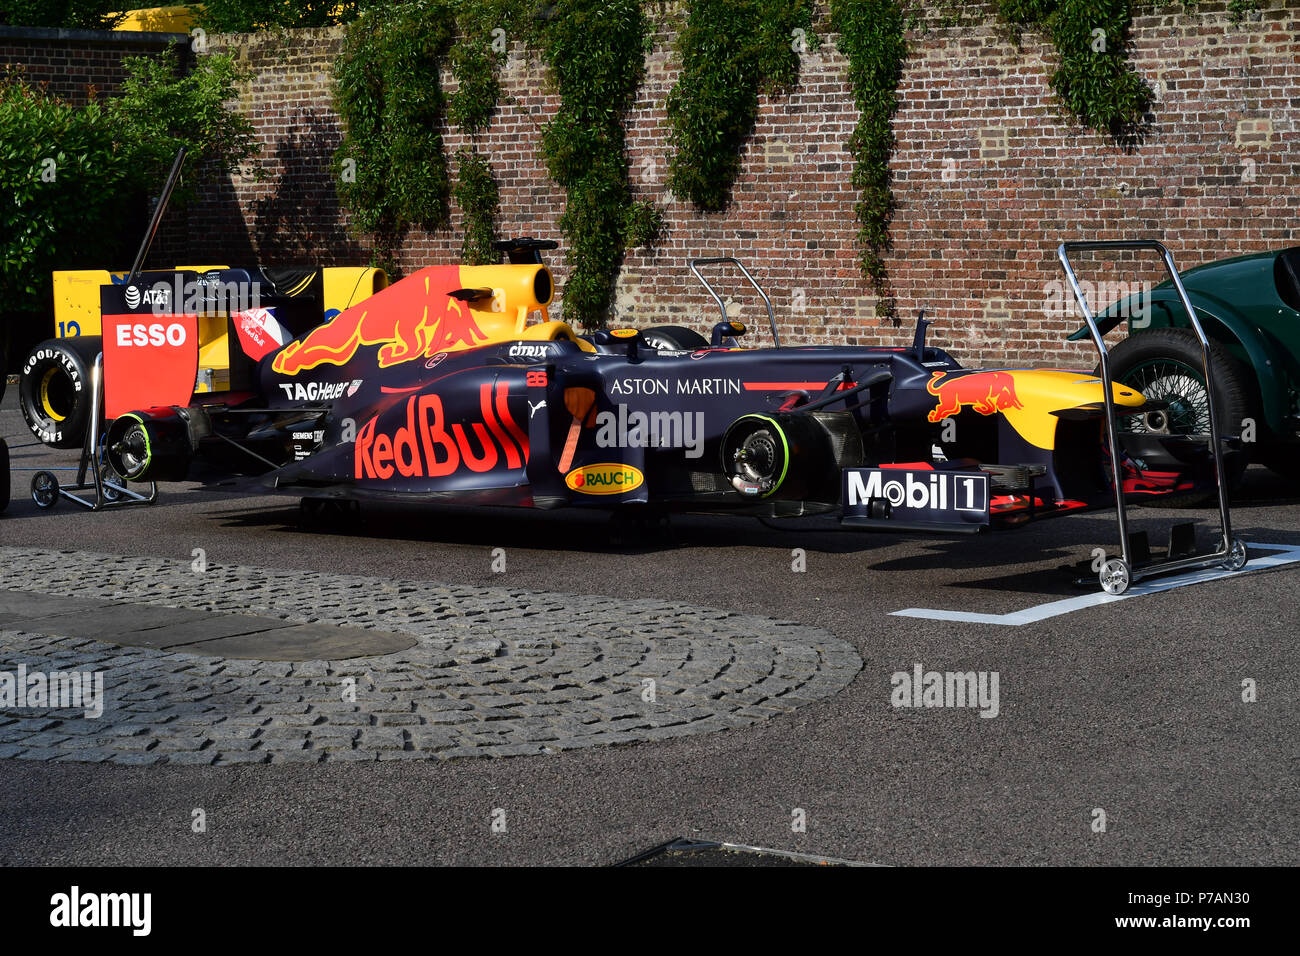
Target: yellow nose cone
x,y
1043,392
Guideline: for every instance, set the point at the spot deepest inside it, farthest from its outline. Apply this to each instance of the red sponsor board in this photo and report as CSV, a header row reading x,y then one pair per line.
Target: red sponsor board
x,y
427,447
985,392
149,360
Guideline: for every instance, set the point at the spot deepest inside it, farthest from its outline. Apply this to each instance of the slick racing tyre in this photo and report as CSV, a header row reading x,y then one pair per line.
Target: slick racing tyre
x,y
54,390
4,476
674,338
1166,365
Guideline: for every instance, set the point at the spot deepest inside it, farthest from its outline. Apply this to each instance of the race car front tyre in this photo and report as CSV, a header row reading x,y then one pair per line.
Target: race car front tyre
x,y
54,390
1166,365
780,455
4,476
674,338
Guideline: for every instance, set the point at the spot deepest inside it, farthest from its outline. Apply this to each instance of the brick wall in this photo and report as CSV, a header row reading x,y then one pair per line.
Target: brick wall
x,y
988,176
73,63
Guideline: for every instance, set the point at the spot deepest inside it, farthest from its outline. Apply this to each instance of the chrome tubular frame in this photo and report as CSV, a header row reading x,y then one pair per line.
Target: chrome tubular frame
x,y
1227,549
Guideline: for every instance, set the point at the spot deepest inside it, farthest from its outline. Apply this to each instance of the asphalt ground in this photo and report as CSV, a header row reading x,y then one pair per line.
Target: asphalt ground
x,y
1133,708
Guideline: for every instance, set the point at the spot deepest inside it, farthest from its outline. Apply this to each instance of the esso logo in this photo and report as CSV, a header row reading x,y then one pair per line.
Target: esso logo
x,y
155,335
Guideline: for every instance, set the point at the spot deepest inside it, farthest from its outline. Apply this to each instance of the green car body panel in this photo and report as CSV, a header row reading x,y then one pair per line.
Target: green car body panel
x,y
1250,304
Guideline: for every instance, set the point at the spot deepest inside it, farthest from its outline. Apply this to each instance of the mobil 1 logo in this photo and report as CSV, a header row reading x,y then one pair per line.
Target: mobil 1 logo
x,y
917,496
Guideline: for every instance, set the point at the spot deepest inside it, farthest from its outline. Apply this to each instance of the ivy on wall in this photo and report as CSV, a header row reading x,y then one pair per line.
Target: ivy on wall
x,y
476,61
872,38
1092,78
595,50
1093,81
393,172
477,195
390,167
731,51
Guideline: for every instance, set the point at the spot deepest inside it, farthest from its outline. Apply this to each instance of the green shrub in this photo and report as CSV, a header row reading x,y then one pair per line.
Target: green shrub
x,y
595,50
731,51
476,194
70,174
390,166
67,14
247,16
872,38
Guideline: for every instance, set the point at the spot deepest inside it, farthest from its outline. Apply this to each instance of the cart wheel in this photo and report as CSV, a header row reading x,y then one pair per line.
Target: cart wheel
x,y
108,474
1115,576
45,489
1236,559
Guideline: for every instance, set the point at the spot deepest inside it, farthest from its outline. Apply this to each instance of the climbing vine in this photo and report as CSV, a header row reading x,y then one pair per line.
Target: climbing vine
x,y
476,194
731,51
872,38
595,51
1092,78
390,166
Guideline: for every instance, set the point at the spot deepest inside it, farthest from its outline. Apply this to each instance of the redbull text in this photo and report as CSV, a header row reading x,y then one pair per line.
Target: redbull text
x,y
427,447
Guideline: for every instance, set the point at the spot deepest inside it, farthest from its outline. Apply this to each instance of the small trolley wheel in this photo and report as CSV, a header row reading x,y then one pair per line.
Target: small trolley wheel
x,y
109,474
1236,559
45,489
1115,576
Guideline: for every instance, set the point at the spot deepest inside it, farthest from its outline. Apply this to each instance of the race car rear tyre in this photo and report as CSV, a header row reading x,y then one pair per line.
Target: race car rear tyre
x,y
54,390
1166,365
4,476
674,338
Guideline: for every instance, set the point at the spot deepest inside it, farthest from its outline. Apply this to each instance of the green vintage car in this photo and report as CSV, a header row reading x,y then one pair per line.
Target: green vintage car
x,y
1249,307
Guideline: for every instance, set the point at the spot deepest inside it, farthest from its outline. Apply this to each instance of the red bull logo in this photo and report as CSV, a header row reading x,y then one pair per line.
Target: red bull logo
x,y
427,447
412,319
985,392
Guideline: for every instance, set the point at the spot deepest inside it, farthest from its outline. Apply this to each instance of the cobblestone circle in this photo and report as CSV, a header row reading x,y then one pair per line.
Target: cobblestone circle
x,y
495,671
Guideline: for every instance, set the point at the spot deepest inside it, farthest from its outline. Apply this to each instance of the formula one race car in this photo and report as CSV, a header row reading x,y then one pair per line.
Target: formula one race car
x,y
454,385
438,388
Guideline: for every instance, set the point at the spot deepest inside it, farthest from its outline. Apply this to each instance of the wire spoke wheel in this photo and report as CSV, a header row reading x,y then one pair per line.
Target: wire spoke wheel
x,y
1184,391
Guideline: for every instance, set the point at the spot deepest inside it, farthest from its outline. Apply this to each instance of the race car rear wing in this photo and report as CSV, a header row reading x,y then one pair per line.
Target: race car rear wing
x,y
1118,573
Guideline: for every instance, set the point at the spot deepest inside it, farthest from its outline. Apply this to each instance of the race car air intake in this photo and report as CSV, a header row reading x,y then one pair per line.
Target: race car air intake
x,y
150,446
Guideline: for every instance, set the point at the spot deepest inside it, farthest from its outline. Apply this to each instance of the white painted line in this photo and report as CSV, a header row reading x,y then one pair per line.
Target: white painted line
x,y
1283,554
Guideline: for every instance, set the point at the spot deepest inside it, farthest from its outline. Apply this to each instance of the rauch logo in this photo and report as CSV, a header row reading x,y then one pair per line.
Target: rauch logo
x,y
605,479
